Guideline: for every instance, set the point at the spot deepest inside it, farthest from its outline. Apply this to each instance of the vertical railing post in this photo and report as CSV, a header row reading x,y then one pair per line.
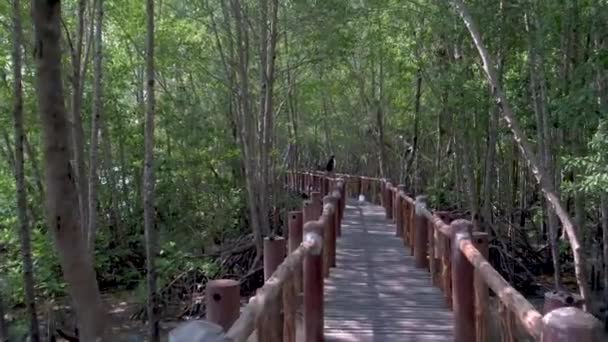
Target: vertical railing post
x,y
383,194
313,286
421,235
406,223
330,235
412,223
317,201
294,285
340,204
570,324
430,228
394,199
295,224
342,200
462,285
399,210
223,302
388,195
270,325
482,293
446,269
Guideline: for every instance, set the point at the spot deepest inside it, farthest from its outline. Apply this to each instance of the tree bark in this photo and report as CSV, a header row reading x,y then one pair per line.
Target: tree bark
x,y
77,131
151,235
415,158
247,124
95,124
544,138
3,323
604,211
580,264
61,196
24,224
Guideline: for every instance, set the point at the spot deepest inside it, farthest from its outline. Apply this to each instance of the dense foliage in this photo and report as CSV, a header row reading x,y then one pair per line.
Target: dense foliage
x,y
392,88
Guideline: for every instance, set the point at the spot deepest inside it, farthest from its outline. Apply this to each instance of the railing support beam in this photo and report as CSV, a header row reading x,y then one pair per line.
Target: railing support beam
x,y
462,285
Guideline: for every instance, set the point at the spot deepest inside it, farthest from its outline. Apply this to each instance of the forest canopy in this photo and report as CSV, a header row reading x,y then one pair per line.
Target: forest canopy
x,y
180,119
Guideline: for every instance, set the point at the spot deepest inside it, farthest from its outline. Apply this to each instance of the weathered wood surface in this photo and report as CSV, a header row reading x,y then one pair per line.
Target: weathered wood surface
x,y
376,293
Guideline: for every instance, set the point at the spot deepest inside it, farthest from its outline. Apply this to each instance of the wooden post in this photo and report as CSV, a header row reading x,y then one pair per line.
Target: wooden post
x,y
294,285
342,200
223,302
399,211
383,193
411,220
394,193
327,227
430,227
388,194
570,324
421,235
507,323
406,223
463,288
482,293
331,233
317,201
295,224
270,325
446,269
313,286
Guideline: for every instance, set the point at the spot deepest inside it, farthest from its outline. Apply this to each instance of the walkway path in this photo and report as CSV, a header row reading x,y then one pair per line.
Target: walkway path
x,y
375,293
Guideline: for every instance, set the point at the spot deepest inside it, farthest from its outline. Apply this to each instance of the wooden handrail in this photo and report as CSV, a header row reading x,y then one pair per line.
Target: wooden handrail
x,y
530,318
457,261
416,224
314,253
245,324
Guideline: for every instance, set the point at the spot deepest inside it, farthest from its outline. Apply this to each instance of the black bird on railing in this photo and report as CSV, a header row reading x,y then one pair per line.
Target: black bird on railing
x,y
331,164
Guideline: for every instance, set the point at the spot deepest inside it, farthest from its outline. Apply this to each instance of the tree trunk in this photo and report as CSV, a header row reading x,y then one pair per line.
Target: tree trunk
x,y
580,264
24,225
3,323
543,137
33,158
604,210
115,216
601,42
61,198
247,124
416,175
95,123
77,131
151,235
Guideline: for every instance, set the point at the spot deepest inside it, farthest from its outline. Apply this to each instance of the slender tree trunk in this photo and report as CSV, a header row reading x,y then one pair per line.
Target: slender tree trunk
x,y
3,323
62,197
537,84
601,43
115,216
604,210
77,131
95,123
24,225
151,234
33,158
416,175
580,264
247,124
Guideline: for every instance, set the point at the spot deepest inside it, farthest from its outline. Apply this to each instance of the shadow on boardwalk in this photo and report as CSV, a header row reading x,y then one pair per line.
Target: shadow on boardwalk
x,y
376,293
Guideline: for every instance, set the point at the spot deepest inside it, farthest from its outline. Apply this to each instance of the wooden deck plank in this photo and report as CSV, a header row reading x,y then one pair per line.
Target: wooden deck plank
x,y
375,293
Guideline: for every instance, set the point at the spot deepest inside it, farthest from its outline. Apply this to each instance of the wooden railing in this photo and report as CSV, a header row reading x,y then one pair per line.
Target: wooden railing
x,y
292,280
455,256
457,259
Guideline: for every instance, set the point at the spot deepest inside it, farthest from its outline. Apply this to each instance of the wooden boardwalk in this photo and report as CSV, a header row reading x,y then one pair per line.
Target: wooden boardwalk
x,y
376,293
